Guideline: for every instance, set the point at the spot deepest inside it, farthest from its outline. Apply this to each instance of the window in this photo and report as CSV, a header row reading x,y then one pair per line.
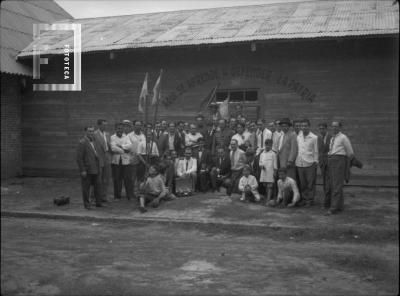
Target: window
x,y
237,95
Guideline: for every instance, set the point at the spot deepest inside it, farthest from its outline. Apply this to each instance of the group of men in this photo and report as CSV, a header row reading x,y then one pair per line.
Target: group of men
x,y
283,156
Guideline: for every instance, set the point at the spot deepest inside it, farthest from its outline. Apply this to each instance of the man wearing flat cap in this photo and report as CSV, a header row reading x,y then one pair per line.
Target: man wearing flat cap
x,y
287,148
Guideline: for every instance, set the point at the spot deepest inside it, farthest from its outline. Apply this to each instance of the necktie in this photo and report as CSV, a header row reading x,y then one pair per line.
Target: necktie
x,y
280,141
105,141
233,158
187,164
94,149
331,145
262,139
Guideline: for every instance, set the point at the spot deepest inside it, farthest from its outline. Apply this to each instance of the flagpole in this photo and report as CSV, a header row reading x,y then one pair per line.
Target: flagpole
x,y
145,127
156,111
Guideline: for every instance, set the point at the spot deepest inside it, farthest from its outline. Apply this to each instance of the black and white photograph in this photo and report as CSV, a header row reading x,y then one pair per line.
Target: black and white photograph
x,y
199,147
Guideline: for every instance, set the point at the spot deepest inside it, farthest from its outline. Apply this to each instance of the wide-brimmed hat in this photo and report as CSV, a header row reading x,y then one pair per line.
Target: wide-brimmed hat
x,y
285,121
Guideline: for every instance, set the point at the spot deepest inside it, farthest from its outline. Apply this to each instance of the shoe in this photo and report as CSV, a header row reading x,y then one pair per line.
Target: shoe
x,y
99,206
142,210
87,207
329,213
104,200
155,203
242,199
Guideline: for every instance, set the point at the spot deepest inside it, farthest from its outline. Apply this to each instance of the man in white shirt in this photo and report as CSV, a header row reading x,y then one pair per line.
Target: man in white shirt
x,y
136,137
121,170
307,162
148,150
187,168
263,133
193,136
276,136
288,193
339,150
241,136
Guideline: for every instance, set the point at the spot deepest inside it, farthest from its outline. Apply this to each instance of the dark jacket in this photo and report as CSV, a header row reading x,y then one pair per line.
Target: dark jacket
x,y
163,144
323,149
99,139
209,138
205,160
350,162
87,159
289,149
224,166
255,167
223,138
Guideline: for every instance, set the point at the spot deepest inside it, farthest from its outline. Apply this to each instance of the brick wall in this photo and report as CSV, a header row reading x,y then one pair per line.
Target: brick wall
x,y
354,80
10,125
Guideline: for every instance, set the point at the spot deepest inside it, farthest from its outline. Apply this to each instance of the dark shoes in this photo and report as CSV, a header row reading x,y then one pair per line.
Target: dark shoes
x,y
99,206
142,210
155,203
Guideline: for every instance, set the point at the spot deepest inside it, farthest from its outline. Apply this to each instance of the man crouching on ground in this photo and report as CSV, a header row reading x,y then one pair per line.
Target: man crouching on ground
x,y
288,192
153,190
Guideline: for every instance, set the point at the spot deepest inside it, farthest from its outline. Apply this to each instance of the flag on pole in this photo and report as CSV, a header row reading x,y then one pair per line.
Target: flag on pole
x,y
143,94
209,98
224,108
157,90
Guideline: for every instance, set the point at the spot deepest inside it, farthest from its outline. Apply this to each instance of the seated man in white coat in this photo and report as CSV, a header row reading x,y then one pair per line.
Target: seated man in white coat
x,y
186,174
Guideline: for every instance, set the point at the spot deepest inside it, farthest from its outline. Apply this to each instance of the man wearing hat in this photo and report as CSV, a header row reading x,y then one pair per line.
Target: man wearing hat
x,y
287,148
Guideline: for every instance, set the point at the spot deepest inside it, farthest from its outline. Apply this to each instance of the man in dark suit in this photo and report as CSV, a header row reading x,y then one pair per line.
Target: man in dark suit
x,y
324,139
209,136
204,164
181,134
252,160
102,138
170,141
220,170
90,165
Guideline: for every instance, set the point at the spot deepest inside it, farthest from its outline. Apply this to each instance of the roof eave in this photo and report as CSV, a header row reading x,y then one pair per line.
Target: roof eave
x,y
26,55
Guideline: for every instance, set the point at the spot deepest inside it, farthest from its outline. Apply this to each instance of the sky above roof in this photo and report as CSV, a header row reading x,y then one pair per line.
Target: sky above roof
x,y
89,9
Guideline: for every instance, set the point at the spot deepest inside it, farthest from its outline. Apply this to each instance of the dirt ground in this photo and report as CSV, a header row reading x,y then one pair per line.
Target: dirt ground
x,y
368,211
54,257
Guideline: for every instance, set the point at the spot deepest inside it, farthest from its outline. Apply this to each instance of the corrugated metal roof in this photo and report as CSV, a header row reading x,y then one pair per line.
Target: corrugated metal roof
x,y
312,19
17,19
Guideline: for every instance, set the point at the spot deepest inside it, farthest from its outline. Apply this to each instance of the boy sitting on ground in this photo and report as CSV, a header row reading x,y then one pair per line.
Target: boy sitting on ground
x,y
248,186
288,193
153,190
